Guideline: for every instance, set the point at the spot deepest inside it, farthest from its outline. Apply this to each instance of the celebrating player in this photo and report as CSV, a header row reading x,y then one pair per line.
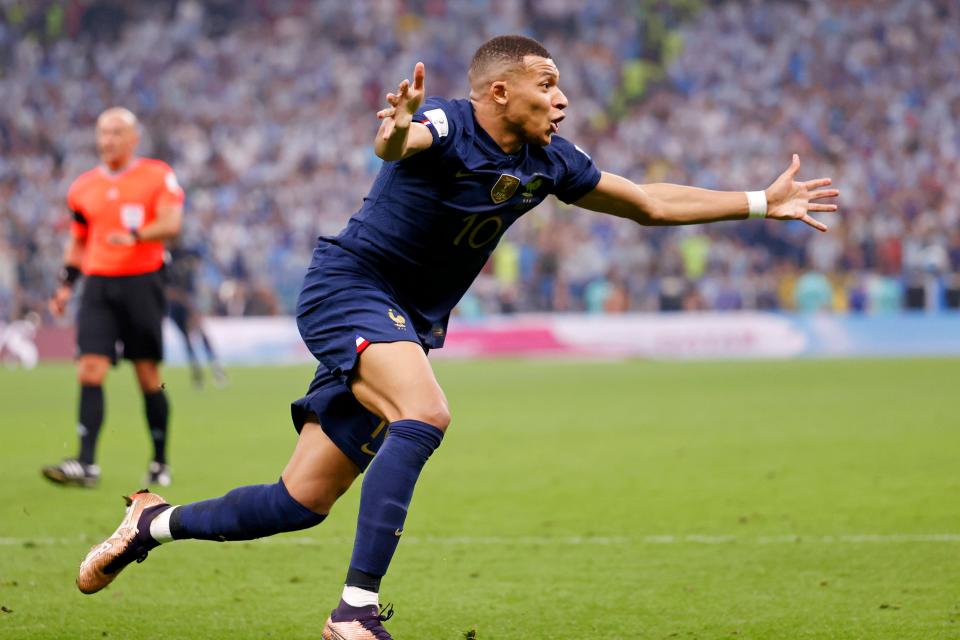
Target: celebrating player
x,y
123,210
377,297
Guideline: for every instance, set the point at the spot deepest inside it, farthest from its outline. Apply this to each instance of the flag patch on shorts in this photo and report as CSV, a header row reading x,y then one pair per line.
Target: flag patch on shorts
x,y
362,343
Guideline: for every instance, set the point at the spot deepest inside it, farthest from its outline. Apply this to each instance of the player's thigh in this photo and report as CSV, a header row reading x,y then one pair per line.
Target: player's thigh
x,y
395,381
318,471
142,305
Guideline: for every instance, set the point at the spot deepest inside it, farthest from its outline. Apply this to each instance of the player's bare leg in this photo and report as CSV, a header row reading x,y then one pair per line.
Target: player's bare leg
x,y
83,471
317,474
395,381
157,412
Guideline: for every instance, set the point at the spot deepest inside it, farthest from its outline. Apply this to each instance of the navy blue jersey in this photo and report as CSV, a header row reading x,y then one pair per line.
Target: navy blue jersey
x,y
431,221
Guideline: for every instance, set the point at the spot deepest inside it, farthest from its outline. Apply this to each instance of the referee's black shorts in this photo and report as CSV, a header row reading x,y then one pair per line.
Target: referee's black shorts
x,y
124,311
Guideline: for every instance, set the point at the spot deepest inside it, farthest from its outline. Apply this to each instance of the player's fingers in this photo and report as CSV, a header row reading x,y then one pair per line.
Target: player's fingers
x,y
821,207
816,184
402,87
419,72
794,165
816,224
824,193
388,128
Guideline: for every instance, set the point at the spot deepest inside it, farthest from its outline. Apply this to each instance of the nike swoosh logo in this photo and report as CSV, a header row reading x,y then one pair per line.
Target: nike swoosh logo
x,y
398,532
465,174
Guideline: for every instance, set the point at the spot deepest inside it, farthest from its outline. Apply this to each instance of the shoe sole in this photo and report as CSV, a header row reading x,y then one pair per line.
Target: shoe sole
x,y
57,476
356,632
93,575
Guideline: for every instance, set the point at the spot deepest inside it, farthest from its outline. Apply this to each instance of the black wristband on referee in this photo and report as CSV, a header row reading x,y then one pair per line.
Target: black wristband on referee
x,y
136,235
69,275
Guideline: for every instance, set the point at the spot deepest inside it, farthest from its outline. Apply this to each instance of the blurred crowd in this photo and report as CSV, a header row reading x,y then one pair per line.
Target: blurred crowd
x,y
265,109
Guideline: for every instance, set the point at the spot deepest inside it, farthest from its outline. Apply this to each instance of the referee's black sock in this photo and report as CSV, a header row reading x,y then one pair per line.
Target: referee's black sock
x,y
158,411
91,417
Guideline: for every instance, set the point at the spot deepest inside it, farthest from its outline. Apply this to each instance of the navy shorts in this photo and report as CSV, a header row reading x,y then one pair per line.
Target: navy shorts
x,y
342,310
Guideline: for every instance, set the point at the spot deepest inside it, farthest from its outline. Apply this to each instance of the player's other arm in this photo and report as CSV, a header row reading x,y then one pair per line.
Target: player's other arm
x,y
69,274
670,204
167,220
399,137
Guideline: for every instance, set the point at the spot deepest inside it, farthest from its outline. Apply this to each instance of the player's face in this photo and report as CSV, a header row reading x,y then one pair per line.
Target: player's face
x,y
116,141
536,103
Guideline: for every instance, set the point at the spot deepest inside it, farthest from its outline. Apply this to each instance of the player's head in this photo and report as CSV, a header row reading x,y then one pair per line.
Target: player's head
x,y
516,76
117,136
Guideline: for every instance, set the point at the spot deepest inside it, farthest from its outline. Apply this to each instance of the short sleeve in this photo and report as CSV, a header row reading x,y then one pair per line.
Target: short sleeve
x,y
442,120
581,175
78,223
170,194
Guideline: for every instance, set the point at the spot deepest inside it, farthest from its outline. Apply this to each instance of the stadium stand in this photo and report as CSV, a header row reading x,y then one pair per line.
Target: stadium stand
x,y
266,111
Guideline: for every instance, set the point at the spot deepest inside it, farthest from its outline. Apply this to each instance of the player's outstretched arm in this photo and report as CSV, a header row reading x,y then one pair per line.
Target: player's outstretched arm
x,y
670,204
399,137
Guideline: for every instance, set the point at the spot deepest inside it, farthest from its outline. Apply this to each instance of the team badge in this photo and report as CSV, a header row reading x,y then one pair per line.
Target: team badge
x,y
398,319
505,187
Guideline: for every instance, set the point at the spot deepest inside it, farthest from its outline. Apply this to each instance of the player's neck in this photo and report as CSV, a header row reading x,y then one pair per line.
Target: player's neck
x,y
119,166
497,128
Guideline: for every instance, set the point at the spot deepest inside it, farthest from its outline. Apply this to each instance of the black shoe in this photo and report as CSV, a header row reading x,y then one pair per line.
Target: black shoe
x,y
73,472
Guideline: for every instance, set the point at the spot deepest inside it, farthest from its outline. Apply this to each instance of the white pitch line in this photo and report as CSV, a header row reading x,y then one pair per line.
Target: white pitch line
x,y
536,541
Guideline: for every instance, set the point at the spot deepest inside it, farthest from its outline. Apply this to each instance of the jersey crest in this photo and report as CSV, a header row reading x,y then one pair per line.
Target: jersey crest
x,y
504,188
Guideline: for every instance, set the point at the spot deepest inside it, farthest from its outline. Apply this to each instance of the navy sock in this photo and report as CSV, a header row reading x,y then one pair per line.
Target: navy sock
x,y
91,418
158,411
386,494
243,514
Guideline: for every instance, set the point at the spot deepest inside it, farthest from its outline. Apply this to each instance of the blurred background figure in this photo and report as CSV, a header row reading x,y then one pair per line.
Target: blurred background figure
x,y
17,347
180,271
123,210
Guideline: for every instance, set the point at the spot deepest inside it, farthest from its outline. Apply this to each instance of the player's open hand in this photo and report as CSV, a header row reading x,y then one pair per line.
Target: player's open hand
x,y
404,103
788,199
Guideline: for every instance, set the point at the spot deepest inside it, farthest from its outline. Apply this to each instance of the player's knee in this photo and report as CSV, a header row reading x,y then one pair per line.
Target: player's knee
x,y
91,374
436,414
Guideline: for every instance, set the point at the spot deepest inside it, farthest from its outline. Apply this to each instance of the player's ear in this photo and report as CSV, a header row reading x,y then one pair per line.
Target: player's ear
x,y
498,92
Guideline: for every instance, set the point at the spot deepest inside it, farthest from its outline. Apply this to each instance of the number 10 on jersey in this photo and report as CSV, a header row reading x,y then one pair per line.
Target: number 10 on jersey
x,y
479,234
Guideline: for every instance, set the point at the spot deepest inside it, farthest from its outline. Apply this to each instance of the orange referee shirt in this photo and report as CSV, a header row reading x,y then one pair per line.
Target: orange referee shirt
x,y
103,202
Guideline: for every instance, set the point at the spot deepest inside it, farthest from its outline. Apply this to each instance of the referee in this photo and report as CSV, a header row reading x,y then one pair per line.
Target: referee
x,y
123,210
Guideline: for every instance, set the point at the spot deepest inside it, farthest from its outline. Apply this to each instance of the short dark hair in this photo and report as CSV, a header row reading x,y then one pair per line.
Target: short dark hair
x,y
506,49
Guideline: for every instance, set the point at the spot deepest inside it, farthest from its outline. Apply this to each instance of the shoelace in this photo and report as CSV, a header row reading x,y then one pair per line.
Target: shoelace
x,y
373,624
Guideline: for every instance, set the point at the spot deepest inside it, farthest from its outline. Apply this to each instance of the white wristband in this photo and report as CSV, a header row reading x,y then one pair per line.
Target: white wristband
x,y
757,204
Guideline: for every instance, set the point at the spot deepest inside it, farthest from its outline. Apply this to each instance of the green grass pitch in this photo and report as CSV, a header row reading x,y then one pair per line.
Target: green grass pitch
x,y
787,500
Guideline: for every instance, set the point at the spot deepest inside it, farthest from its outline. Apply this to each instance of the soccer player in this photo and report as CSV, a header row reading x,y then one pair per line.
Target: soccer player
x,y
181,289
123,210
377,297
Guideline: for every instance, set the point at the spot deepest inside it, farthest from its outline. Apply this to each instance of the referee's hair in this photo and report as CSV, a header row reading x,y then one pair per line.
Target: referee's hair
x,y
503,51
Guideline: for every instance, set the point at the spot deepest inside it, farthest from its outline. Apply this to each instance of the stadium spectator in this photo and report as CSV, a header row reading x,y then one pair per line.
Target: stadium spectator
x,y
123,211
238,94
